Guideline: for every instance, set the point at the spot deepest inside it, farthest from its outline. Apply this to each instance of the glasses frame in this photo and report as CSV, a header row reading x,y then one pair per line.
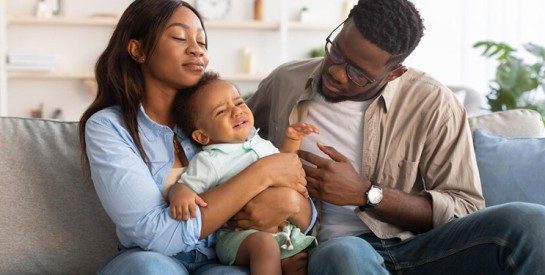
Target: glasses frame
x,y
369,80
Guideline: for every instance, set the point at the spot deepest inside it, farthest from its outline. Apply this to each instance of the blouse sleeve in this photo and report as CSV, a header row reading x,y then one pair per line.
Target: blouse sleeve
x,y
130,195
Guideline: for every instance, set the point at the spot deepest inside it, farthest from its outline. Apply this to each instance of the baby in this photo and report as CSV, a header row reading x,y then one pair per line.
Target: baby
x,y
215,115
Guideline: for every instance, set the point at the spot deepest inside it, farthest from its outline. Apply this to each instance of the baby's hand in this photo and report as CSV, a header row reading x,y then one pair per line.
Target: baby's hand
x,y
300,130
182,202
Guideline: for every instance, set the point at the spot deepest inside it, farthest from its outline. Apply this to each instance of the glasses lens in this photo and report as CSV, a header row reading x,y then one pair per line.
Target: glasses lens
x,y
333,53
356,75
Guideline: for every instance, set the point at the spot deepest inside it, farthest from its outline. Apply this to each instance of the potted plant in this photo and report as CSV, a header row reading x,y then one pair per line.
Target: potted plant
x,y
518,84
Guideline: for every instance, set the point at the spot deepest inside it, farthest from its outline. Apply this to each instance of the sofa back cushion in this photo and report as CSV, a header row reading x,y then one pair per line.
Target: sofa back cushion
x,y
510,149
51,220
511,169
510,123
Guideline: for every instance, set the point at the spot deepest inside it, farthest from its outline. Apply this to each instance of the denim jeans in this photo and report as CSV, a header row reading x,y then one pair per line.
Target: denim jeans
x,y
136,261
503,239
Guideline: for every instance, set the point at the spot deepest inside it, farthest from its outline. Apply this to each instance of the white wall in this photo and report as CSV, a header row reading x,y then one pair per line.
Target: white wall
x,y
446,52
452,27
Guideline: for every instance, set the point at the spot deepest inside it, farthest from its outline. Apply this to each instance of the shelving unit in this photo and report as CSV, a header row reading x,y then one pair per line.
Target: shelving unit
x,y
49,75
269,38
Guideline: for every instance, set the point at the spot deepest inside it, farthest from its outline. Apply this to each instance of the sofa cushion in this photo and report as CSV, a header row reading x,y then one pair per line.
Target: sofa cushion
x,y
51,220
511,169
511,123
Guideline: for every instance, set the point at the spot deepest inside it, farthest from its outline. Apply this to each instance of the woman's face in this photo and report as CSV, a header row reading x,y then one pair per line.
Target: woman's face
x,y
179,58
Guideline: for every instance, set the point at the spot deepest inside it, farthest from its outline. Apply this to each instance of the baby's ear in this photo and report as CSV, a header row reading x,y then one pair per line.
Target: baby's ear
x,y
200,137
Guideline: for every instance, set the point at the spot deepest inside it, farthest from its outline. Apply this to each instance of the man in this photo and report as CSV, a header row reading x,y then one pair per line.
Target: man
x,y
397,182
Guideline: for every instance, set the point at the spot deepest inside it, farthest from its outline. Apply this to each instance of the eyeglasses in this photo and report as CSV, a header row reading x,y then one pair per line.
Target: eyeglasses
x,y
354,74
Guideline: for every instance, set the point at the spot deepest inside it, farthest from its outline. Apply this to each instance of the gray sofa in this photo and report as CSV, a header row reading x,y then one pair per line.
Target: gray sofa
x,y
51,221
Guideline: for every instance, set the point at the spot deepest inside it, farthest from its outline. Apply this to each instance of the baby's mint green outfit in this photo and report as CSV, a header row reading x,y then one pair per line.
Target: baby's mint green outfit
x,y
229,241
216,164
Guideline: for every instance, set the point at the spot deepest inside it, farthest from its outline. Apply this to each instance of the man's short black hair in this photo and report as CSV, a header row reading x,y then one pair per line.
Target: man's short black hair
x,y
395,26
185,113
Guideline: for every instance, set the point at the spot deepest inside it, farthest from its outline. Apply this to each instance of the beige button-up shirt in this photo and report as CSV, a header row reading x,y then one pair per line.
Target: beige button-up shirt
x,y
416,138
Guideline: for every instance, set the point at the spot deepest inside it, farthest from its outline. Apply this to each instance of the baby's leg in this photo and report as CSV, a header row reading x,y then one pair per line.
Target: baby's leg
x,y
261,252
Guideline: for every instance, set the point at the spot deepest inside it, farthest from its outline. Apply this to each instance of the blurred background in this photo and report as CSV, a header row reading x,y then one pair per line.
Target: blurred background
x,y
49,47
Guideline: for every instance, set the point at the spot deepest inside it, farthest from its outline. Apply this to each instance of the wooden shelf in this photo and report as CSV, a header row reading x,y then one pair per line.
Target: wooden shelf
x,y
112,21
256,25
295,25
67,21
244,77
48,75
83,76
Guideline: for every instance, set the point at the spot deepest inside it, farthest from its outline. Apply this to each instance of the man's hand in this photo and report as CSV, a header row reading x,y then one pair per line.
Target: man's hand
x,y
334,180
182,202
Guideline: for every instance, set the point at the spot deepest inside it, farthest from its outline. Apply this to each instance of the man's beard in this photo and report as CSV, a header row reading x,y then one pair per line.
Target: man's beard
x,y
336,99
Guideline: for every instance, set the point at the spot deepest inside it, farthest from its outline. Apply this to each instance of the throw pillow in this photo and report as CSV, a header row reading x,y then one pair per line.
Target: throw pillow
x,y
511,169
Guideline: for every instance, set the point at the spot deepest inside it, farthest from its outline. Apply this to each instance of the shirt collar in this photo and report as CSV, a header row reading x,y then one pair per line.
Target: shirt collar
x,y
313,81
389,92
151,129
232,147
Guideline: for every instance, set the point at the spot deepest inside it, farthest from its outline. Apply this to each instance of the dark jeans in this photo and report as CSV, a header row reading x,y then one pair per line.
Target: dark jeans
x,y
503,239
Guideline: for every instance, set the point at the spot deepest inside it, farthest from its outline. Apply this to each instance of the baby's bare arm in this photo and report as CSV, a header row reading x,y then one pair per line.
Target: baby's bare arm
x,y
295,133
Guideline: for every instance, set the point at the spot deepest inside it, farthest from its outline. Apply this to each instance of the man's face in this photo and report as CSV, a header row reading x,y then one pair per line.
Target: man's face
x,y
350,53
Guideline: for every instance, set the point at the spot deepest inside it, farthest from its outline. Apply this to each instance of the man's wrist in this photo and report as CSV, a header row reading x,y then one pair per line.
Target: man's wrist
x,y
372,197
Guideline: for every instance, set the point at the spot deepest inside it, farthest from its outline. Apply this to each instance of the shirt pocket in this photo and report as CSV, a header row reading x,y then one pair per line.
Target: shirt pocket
x,y
400,174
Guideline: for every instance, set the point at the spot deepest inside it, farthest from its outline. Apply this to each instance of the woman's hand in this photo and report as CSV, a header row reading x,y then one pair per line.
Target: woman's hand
x,y
268,209
283,170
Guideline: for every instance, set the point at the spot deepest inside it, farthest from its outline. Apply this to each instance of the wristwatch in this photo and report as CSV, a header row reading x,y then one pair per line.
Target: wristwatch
x,y
373,196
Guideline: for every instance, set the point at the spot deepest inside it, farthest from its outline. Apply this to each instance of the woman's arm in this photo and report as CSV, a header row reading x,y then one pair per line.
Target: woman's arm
x,y
288,205
128,190
224,201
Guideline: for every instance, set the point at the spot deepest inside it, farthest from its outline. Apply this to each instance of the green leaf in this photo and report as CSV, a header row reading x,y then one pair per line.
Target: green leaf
x,y
500,50
535,49
517,81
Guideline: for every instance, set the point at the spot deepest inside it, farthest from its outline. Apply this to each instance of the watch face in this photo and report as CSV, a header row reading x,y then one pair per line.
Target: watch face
x,y
213,9
374,195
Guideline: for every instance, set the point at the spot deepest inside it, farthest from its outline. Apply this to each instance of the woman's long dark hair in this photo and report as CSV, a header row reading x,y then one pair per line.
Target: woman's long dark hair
x,y
120,79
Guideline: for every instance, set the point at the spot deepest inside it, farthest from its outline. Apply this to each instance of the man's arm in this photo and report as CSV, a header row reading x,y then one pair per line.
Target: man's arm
x,y
336,181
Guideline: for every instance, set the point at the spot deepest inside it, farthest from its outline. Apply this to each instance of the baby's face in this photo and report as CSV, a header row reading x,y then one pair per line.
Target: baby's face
x,y
222,114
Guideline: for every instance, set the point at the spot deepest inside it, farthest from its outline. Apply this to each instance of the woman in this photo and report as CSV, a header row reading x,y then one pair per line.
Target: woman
x,y
134,151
